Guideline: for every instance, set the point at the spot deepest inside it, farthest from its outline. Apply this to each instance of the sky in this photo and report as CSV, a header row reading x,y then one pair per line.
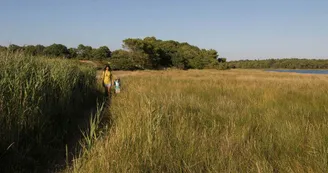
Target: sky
x,y
237,29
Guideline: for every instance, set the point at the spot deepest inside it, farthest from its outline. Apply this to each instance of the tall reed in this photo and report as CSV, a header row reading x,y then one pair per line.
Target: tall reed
x,y
40,99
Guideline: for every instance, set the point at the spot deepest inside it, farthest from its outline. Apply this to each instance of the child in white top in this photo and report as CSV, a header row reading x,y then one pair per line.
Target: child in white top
x,y
117,84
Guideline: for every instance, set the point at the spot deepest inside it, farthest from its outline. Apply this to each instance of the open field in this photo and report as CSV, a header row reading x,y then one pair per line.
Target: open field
x,y
214,121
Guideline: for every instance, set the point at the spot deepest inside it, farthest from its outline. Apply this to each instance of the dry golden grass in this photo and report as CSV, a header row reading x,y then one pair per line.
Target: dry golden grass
x,y
214,121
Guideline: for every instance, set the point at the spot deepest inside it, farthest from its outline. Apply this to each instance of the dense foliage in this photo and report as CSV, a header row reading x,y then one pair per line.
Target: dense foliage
x,y
280,63
40,100
152,53
59,50
147,53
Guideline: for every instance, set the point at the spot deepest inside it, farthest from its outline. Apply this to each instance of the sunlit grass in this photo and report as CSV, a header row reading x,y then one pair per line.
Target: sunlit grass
x,y
214,121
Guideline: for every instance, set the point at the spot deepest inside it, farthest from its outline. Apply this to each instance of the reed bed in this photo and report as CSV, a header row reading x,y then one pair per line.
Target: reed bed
x,y
40,101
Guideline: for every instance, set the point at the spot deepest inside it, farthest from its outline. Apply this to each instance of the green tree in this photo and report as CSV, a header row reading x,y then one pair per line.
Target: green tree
x,y
122,60
56,50
212,54
39,49
167,53
152,53
152,49
140,57
191,54
84,52
30,50
14,48
222,60
72,52
102,52
179,61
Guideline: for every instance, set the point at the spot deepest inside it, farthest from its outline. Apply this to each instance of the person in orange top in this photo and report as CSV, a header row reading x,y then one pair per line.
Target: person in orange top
x,y
107,79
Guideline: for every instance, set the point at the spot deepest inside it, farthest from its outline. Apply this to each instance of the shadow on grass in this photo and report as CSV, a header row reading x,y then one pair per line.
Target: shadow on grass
x,y
73,146
54,157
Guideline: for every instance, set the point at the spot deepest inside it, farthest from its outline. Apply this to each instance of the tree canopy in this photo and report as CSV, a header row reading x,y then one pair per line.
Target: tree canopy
x,y
152,53
101,53
56,50
14,48
60,50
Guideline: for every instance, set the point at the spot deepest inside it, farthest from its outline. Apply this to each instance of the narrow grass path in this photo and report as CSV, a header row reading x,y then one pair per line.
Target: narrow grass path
x,y
82,128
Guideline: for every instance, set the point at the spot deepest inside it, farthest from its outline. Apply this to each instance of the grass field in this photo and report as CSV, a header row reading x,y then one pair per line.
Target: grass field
x,y
214,121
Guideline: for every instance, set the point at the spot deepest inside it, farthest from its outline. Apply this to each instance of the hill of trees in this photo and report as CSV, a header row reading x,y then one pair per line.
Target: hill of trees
x,y
152,53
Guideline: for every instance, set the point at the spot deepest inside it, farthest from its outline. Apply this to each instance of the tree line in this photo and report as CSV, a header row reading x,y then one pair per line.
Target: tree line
x,y
59,50
147,53
153,53
286,63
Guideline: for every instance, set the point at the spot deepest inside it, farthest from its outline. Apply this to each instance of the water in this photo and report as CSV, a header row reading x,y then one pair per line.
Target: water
x,y
302,71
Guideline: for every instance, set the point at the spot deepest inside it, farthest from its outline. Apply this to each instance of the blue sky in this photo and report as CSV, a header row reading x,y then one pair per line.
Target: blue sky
x,y
237,29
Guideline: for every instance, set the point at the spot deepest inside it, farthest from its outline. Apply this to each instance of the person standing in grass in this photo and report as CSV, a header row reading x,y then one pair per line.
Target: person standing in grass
x,y
117,84
107,79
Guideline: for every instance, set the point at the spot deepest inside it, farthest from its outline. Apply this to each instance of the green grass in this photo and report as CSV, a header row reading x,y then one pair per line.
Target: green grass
x,y
41,101
214,121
